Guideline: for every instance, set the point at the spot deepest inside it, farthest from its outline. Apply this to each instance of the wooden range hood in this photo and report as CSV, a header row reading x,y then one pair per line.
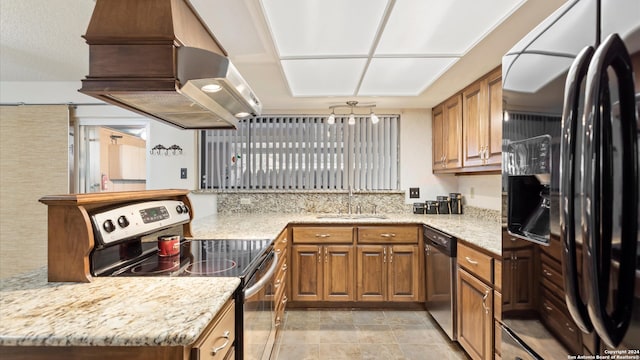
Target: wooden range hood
x,y
154,56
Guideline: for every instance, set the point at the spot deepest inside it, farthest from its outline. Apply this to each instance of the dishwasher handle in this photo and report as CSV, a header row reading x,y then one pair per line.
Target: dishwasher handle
x,y
264,280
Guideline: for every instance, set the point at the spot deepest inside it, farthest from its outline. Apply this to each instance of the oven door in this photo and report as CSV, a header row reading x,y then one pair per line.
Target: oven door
x,y
259,311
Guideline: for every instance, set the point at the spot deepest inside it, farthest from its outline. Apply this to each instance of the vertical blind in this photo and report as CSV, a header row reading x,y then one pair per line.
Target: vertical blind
x,y
302,152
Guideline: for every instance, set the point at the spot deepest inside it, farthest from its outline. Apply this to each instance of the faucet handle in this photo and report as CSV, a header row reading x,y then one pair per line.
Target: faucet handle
x,y
358,209
375,209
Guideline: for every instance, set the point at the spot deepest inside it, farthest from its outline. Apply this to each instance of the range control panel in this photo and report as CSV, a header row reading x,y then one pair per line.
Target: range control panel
x,y
138,219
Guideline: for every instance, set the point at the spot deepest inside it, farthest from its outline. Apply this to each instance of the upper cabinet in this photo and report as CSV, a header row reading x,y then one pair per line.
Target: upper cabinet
x,y
447,135
467,128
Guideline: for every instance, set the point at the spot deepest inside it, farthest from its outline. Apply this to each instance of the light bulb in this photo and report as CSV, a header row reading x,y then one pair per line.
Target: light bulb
x,y
352,119
331,119
374,118
211,88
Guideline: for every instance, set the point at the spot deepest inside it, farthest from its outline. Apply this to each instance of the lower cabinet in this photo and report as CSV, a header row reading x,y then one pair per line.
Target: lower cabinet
x,y
387,273
322,273
217,341
475,316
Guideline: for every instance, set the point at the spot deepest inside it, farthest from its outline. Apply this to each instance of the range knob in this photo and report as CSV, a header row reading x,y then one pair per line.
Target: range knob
x,y
185,209
108,226
123,222
179,209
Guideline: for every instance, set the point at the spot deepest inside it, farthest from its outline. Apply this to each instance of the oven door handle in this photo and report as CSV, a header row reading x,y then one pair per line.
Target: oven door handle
x,y
264,280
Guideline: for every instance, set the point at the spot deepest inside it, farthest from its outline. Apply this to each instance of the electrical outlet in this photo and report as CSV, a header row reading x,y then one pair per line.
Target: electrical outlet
x,y
183,173
414,193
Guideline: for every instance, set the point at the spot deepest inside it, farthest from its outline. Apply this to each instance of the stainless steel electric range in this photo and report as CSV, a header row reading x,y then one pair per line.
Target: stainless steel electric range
x,y
127,244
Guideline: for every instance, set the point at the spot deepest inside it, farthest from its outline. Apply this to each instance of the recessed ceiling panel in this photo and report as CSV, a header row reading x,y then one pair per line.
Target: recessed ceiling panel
x,y
402,76
327,77
441,27
323,27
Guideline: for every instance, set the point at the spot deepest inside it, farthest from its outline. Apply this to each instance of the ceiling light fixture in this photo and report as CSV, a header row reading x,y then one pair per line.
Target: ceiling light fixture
x,y
352,116
332,118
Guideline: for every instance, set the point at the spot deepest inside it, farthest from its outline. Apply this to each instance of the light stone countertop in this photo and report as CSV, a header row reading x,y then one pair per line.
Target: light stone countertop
x,y
483,233
109,311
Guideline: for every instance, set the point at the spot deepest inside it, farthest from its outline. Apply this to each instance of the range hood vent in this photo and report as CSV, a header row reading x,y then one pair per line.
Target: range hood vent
x,y
157,58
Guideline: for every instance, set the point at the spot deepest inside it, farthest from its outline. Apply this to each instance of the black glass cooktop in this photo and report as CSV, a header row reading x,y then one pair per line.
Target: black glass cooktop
x,y
232,258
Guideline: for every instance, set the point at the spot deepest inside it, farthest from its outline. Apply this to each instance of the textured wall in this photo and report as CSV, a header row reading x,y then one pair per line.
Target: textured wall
x,y
33,162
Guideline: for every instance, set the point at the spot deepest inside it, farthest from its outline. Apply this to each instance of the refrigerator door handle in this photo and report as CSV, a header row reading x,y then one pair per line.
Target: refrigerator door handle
x,y
598,190
577,73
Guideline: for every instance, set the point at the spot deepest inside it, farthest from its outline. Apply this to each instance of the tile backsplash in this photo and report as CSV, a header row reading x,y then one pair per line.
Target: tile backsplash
x,y
311,202
332,202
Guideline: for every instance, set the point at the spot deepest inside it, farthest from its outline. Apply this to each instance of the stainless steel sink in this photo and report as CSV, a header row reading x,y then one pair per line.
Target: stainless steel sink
x,y
352,216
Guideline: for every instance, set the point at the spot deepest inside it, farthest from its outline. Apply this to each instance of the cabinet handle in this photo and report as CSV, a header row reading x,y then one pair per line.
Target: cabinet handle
x,y
326,256
225,335
471,261
323,235
319,254
569,327
284,241
387,235
278,251
384,252
486,153
278,321
390,255
549,308
277,283
547,273
427,249
484,302
284,267
284,299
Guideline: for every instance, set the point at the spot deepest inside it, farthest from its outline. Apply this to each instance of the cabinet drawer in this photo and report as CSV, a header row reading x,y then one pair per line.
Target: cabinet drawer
x,y
557,319
323,234
497,305
550,275
218,339
554,250
497,274
281,243
511,242
476,262
388,234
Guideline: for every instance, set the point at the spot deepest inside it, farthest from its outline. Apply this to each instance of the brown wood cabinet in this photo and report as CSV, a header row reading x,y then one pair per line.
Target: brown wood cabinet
x,y
322,273
482,121
475,316
280,286
218,340
387,273
447,135
475,308
518,279
467,128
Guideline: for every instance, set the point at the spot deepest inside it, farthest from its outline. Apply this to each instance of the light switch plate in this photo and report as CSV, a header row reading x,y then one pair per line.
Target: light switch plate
x,y
414,193
183,173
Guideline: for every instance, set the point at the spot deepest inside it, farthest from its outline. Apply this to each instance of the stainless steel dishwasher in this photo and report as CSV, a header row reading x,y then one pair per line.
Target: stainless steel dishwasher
x,y
440,275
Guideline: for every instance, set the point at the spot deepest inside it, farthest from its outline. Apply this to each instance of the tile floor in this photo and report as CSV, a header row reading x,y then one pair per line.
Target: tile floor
x,y
363,334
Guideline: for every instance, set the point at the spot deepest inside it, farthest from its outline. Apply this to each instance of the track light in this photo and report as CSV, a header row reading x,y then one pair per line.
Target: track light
x,y
331,119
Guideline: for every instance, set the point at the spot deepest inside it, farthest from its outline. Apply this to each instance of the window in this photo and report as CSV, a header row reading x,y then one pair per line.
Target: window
x,y
302,152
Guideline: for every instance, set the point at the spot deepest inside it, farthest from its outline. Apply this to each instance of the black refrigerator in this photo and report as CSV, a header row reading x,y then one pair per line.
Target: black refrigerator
x,y
571,259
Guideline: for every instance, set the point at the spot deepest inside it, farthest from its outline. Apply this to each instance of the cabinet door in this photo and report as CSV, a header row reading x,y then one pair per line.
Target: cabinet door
x,y
453,132
523,280
438,287
507,280
403,272
473,119
475,316
437,129
338,273
371,275
306,280
494,121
